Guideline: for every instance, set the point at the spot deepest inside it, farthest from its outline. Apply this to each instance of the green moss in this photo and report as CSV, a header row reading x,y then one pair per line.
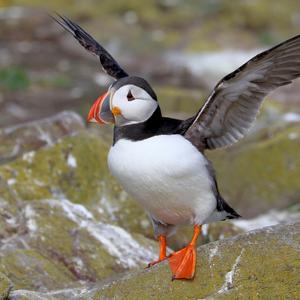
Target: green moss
x,y
13,79
53,228
58,81
41,174
5,287
65,242
98,263
62,232
186,25
9,205
46,174
31,270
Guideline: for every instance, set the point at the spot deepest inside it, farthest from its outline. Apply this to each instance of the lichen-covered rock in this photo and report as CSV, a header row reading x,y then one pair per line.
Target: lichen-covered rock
x,y
30,269
237,268
60,243
5,287
22,138
262,264
67,222
83,293
49,240
74,168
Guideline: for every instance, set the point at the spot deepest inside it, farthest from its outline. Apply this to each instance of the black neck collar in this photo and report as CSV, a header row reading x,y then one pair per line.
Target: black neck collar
x,y
140,131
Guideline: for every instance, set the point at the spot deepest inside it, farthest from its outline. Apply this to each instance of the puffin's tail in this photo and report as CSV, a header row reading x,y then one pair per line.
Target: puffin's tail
x,y
222,212
223,206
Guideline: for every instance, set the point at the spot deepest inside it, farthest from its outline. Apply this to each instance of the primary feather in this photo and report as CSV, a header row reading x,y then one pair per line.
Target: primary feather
x,y
231,108
109,64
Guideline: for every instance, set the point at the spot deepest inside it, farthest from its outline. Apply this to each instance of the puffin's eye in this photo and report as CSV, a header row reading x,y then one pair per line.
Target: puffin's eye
x,y
130,96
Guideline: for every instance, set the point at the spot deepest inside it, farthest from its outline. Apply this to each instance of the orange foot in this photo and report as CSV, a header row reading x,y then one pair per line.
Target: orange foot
x,y
162,251
183,262
156,262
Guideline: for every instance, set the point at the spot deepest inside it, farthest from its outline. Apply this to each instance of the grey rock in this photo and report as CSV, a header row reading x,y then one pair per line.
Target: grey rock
x,y
16,140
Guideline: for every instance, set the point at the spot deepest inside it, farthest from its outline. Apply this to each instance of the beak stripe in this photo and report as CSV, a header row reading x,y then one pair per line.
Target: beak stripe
x,y
98,109
99,112
91,117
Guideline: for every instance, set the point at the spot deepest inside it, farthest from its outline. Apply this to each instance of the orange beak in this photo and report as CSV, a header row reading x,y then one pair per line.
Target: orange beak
x,y
100,111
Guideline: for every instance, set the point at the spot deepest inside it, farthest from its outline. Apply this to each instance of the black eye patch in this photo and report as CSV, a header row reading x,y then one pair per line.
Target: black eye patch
x,y
130,96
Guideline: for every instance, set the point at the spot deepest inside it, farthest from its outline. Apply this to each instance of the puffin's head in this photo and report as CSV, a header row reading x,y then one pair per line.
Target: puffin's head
x,y
129,100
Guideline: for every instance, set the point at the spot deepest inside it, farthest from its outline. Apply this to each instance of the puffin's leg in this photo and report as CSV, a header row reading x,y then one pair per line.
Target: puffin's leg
x,y
161,232
162,250
183,262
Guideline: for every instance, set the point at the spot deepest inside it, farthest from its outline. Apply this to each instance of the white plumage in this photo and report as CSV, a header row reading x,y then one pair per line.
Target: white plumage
x,y
136,111
167,175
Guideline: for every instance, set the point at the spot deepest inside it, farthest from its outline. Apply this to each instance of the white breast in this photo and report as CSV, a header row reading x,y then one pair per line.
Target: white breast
x,y
166,174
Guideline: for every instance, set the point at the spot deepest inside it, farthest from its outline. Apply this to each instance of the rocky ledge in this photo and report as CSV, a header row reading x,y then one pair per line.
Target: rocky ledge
x,y
68,231
261,264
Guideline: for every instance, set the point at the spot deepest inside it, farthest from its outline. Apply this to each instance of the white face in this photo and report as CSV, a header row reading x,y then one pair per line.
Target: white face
x,y
134,103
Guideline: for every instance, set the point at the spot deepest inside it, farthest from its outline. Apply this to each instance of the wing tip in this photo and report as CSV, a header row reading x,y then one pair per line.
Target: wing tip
x,y
110,66
63,21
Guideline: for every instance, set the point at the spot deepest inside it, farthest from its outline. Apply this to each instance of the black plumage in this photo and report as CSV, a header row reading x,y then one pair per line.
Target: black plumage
x,y
109,64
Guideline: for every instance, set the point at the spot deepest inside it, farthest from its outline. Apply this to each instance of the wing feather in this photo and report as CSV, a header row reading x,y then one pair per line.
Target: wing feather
x,y
231,108
109,64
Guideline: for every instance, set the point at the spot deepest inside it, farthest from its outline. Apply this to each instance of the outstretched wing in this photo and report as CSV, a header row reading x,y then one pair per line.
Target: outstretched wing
x,y
231,108
109,65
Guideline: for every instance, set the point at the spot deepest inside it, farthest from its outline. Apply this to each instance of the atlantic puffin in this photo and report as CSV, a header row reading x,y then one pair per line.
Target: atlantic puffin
x,y
161,161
